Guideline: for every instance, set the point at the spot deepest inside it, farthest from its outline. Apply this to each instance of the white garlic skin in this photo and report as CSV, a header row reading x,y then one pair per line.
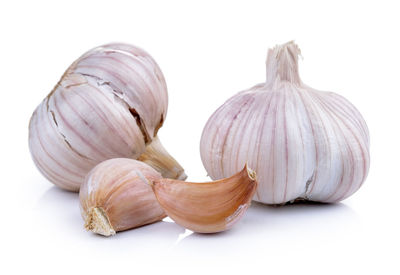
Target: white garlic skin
x,y
109,103
302,143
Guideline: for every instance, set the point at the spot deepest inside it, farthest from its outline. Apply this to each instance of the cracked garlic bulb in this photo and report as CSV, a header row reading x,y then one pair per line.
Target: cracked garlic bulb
x,y
302,143
110,103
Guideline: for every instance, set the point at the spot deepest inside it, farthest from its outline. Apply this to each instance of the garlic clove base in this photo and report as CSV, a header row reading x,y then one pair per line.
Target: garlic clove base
x,y
98,222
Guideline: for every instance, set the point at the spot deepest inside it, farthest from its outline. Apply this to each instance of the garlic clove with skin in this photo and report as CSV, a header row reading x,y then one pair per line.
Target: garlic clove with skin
x,y
207,207
116,196
110,103
303,143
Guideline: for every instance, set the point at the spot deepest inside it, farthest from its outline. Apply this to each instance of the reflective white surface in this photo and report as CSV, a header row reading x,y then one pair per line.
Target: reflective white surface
x,y
355,235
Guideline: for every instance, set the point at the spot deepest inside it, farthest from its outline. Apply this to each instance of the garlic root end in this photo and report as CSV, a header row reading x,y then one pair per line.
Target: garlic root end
x,y
98,222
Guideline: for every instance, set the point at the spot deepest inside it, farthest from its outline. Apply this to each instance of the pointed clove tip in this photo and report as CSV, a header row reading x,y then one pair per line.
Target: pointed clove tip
x,y
251,173
98,222
182,176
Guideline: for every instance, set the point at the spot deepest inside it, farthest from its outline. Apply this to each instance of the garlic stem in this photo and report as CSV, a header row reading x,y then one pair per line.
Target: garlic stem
x,y
282,63
157,157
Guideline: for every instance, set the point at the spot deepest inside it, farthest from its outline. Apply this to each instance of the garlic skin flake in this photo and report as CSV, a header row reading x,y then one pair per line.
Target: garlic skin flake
x,y
207,207
117,196
303,143
109,103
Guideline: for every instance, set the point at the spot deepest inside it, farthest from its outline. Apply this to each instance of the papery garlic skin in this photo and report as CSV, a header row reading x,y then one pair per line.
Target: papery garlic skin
x,y
303,143
109,103
134,76
116,196
207,207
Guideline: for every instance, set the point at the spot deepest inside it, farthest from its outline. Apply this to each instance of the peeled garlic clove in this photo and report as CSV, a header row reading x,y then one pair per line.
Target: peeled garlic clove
x,y
110,103
207,207
116,196
303,143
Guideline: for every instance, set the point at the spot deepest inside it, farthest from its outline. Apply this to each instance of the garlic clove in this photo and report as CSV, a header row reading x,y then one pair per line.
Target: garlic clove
x,y
207,207
116,196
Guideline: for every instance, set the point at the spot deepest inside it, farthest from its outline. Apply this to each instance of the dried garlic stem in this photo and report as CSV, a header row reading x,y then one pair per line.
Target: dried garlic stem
x,y
157,157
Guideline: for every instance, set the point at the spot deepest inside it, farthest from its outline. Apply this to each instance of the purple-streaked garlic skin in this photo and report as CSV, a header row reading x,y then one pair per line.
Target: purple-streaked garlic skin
x,y
121,189
133,75
302,143
109,103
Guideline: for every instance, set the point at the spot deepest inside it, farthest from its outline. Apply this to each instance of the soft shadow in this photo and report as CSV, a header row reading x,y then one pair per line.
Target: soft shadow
x,y
60,211
157,230
152,239
298,210
268,222
56,194
59,202
297,214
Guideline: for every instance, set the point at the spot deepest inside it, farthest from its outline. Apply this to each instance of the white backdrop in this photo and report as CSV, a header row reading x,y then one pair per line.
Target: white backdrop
x,y
208,50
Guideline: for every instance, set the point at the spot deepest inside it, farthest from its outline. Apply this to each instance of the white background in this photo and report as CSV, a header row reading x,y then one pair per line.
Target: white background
x,y
208,50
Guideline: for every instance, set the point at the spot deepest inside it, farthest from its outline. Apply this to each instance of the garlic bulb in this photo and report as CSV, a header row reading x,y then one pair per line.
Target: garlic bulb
x,y
116,196
207,207
109,103
303,143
